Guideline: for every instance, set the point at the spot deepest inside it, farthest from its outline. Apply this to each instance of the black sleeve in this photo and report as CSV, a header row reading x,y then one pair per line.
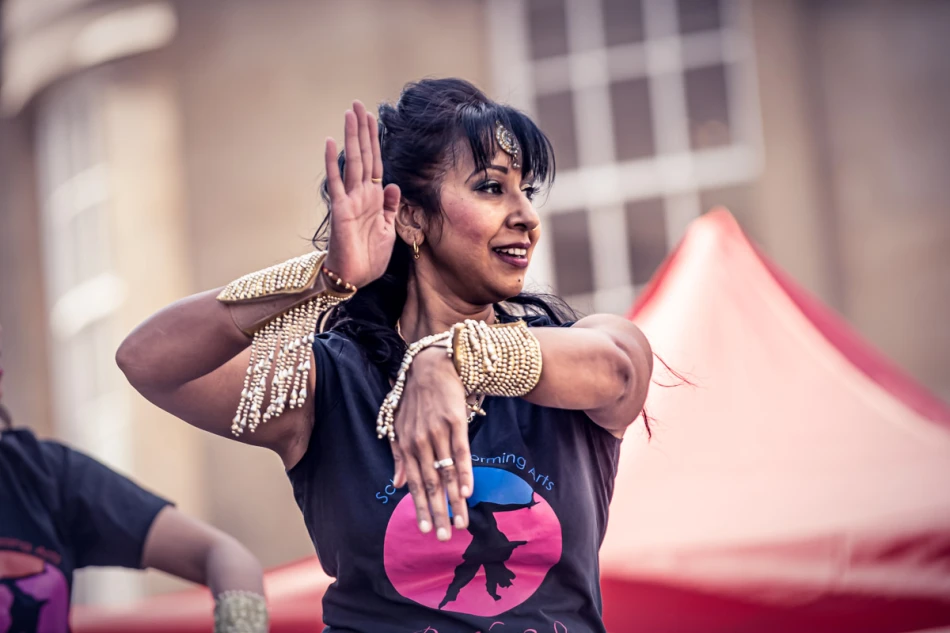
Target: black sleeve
x,y
104,516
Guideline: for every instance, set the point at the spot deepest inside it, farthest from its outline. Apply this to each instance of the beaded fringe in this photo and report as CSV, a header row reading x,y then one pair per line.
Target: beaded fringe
x,y
283,345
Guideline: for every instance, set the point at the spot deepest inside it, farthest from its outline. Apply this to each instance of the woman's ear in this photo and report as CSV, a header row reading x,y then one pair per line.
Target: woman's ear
x,y
411,224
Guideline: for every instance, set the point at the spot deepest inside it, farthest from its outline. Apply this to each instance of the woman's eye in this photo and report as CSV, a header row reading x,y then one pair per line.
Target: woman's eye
x,y
530,192
491,187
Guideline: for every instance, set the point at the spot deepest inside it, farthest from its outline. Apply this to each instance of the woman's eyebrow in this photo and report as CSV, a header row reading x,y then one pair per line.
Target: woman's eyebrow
x,y
500,168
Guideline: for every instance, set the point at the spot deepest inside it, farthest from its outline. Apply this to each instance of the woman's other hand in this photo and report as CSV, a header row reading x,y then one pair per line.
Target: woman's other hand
x,y
362,217
432,425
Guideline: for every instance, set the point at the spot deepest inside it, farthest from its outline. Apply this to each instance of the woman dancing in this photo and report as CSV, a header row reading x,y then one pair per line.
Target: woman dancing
x,y
433,369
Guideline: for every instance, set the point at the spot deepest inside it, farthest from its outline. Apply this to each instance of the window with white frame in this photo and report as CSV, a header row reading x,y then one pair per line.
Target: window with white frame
x,y
83,292
652,111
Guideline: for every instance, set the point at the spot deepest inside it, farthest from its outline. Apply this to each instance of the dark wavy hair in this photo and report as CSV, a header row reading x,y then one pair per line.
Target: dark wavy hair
x,y
419,136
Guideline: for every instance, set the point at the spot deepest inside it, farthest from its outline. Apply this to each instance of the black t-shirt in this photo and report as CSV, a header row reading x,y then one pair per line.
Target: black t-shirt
x,y
538,513
61,510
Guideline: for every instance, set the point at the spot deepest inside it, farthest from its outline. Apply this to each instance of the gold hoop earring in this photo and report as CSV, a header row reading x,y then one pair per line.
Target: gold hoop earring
x,y
415,250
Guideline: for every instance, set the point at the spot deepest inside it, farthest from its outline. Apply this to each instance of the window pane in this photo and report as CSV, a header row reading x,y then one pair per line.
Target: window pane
x,y
102,363
632,115
556,118
708,107
573,267
698,15
547,23
646,235
91,243
623,21
81,380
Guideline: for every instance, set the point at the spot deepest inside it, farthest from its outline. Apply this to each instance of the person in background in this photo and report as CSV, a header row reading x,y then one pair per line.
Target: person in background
x,y
61,510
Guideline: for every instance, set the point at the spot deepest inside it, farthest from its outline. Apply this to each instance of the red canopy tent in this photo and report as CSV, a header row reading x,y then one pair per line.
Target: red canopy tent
x,y
799,484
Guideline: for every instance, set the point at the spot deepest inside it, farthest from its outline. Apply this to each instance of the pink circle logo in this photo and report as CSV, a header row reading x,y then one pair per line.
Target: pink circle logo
x,y
34,595
513,539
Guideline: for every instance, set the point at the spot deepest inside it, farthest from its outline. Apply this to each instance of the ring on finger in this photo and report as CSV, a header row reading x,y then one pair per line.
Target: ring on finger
x,y
376,180
444,463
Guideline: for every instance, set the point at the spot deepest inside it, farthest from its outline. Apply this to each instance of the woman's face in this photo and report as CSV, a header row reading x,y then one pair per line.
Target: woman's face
x,y
489,230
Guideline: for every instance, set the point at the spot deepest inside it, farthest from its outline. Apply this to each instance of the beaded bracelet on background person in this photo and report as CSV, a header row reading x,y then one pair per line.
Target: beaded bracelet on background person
x,y
279,308
491,360
240,612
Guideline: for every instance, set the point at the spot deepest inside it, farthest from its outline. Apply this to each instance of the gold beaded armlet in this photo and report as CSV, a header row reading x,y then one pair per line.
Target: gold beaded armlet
x,y
496,360
281,339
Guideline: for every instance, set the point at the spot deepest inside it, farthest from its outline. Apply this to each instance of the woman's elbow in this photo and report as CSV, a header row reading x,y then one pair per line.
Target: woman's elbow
x,y
129,359
634,365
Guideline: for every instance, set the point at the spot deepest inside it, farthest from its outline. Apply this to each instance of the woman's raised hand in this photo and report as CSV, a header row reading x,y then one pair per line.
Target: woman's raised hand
x,y
362,218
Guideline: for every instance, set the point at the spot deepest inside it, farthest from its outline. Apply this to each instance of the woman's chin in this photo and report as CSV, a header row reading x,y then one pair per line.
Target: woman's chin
x,y
508,290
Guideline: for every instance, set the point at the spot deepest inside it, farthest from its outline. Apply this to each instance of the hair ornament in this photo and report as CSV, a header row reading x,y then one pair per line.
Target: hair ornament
x,y
508,143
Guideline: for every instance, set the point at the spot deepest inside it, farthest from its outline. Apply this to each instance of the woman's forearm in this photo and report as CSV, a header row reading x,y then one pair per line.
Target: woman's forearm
x,y
601,365
583,368
180,343
194,336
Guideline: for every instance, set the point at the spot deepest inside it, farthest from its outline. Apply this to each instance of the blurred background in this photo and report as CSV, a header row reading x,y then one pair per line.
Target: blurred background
x,y
152,149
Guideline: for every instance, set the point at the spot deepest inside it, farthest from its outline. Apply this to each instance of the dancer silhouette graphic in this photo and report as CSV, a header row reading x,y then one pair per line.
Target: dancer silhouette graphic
x,y
490,548
25,610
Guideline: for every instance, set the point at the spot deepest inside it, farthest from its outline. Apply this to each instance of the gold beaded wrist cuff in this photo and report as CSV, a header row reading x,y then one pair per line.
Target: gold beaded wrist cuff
x,y
496,360
282,343
385,421
240,612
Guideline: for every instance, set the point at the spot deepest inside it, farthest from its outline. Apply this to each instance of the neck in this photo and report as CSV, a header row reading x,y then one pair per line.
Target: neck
x,y
429,310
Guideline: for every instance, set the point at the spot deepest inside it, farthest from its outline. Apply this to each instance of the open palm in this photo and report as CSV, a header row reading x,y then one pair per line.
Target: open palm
x,y
362,213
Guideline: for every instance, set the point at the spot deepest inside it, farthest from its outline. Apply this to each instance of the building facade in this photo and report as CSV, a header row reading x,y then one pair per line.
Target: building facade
x,y
152,149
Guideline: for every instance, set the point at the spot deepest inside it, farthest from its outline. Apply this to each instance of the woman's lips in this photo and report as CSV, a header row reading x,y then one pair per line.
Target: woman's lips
x,y
518,261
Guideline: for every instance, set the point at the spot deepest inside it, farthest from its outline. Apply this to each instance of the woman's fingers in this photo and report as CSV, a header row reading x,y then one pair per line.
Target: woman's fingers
x,y
399,463
366,144
377,152
353,171
418,492
462,454
449,475
334,180
435,492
